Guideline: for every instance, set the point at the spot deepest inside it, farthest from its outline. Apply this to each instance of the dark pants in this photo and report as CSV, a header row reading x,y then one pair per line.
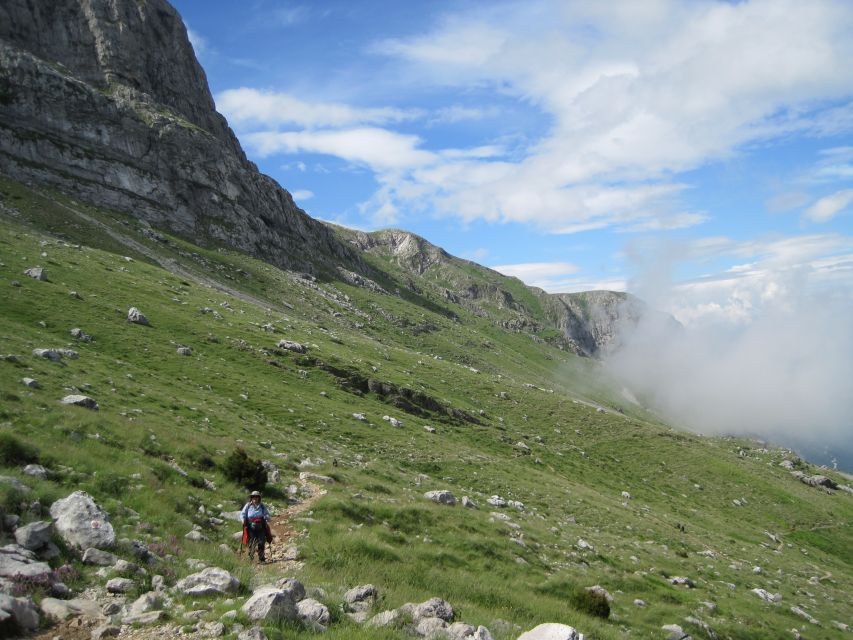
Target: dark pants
x,y
257,531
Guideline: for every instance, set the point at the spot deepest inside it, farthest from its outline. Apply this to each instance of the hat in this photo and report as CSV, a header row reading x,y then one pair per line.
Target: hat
x,y
255,493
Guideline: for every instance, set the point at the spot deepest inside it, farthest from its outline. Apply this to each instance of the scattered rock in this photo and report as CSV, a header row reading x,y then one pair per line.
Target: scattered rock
x,y
81,522
767,596
17,561
390,618
120,585
22,611
433,608
105,631
441,497
37,273
196,536
17,485
601,591
551,631
360,598
803,614
210,581
99,558
313,614
682,581
149,617
307,475
34,535
184,351
292,346
468,503
32,383
640,603
431,628
79,334
54,355
360,417
81,401
496,501
429,429
270,603
135,316
583,545
675,632
59,610
36,471
255,633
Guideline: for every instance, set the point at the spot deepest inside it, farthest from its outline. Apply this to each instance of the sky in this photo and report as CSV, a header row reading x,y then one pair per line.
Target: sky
x,y
697,153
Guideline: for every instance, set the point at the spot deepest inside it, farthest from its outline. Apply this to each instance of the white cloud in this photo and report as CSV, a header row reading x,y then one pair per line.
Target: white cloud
x,y
530,272
301,195
829,206
268,108
377,148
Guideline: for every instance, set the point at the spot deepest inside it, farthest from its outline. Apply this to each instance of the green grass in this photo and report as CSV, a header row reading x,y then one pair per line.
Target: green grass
x,y
160,410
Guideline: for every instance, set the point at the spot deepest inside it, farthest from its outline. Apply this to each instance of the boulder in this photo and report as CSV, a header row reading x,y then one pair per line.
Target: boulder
x,y
34,535
146,602
17,561
36,471
120,585
431,628
361,597
98,557
441,497
255,633
389,618
36,273
293,586
54,355
210,581
292,346
81,522
81,401
433,608
551,631
270,604
58,610
135,316
22,611
313,614
460,631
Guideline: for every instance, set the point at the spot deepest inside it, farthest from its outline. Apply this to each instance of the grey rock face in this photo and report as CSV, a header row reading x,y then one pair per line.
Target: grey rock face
x,y
126,120
81,522
34,535
210,581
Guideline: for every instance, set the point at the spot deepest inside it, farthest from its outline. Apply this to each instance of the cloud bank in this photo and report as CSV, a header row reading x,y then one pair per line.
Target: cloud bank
x,y
766,351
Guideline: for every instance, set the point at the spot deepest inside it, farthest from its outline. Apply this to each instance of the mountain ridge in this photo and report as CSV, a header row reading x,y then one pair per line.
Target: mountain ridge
x,y
79,110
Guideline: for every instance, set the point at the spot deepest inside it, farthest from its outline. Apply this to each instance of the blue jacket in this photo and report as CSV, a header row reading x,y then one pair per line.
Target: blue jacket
x,y
251,511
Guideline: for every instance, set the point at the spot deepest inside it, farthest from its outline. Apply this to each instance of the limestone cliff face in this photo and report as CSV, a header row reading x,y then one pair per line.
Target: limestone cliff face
x,y
106,100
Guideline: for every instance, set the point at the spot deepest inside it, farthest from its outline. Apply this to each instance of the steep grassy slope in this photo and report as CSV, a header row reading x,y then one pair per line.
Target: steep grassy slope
x,y
482,388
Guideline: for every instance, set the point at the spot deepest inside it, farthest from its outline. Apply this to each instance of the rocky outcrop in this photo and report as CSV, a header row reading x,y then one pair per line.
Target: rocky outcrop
x,y
107,101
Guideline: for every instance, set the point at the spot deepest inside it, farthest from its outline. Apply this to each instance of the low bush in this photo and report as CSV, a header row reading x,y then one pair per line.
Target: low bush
x,y
245,471
590,602
14,453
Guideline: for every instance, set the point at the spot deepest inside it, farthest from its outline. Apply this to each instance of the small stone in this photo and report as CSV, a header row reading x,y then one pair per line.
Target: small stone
x,y
81,401
37,273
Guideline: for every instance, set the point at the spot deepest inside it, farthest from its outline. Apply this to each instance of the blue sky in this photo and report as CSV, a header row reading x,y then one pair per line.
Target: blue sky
x,y
698,153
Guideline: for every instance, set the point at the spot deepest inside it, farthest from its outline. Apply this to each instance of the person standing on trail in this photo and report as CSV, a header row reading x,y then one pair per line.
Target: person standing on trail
x,y
256,518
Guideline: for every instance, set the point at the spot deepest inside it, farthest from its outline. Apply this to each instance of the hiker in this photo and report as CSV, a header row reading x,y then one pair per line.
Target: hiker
x,y
256,517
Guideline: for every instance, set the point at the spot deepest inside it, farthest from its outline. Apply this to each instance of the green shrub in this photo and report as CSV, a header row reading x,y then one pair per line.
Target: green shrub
x,y
590,602
14,453
245,471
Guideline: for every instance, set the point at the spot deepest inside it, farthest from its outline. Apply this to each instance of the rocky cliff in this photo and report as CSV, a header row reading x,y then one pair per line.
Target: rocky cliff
x,y
105,99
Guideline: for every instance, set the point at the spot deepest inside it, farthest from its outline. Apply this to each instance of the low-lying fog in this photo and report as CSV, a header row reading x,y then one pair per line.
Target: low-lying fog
x,y
772,358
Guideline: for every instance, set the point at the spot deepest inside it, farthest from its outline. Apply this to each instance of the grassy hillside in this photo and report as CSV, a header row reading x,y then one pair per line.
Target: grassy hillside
x,y
483,389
